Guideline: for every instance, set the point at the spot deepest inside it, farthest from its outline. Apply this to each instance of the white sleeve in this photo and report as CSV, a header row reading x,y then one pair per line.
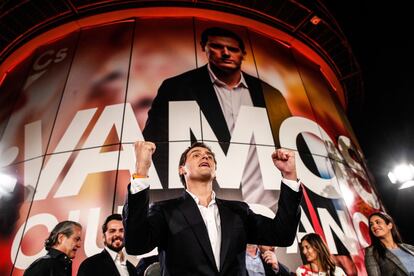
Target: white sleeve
x,y
293,184
138,184
339,271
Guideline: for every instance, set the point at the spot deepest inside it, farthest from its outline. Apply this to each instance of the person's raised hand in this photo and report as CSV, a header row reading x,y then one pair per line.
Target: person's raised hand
x,y
270,258
143,156
284,160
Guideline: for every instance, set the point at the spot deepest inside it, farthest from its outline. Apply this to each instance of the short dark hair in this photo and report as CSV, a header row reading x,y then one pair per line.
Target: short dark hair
x,y
65,228
183,157
217,31
108,219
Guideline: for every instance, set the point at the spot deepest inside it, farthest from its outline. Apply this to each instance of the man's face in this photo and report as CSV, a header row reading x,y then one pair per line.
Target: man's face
x,y
224,53
199,165
251,249
70,245
114,235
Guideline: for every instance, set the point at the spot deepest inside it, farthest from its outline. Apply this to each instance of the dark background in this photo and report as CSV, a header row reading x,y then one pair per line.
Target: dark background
x,y
380,37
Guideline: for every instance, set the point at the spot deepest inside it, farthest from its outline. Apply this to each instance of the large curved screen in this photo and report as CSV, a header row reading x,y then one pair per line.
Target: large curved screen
x,y
71,111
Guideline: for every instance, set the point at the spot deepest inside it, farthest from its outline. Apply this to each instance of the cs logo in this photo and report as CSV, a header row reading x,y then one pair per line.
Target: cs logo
x,y
43,62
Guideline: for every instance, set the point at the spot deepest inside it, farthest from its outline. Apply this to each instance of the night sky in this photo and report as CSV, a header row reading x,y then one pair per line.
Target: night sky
x,y
380,37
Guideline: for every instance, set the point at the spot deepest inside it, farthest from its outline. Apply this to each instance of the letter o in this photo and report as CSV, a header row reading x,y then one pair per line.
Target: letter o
x,y
22,260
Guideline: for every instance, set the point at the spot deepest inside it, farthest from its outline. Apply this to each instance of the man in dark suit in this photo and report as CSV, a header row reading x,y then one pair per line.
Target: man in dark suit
x,y
220,88
262,260
61,245
111,261
198,233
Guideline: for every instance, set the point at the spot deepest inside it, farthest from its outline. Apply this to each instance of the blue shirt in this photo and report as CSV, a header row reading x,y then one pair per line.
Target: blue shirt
x,y
405,258
254,265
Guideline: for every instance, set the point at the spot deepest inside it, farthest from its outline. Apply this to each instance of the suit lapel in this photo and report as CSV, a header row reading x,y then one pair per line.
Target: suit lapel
x,y
107,259
407,247
207,100
395,260
226,219
192,214
112,270
209,104
255,90
131,268
274,102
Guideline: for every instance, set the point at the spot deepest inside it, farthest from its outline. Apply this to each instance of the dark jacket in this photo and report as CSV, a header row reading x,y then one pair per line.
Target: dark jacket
x,y
177,228
144,263
390,265
54,263
102,264
195,85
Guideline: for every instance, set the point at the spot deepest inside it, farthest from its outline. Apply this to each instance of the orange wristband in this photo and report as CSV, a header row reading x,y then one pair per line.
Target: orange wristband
x,y
135,176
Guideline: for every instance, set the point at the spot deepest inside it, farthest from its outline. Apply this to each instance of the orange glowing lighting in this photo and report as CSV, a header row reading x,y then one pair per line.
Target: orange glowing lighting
x,y
315,20
24,51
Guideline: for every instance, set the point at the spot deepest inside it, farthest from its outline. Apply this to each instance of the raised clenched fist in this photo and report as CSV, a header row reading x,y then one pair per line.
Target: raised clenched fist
x,y
143,157
284,160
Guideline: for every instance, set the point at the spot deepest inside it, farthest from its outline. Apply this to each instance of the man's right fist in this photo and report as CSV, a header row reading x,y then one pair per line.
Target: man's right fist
x,y
143,157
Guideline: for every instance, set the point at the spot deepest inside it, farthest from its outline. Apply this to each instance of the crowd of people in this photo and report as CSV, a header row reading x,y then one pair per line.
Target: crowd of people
x,y
200,233
387,255
179,226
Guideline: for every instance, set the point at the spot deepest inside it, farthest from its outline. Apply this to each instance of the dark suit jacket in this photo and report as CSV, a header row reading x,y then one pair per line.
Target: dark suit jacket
x,y
102,264
177,228
195,85
144,263
54,263
390,265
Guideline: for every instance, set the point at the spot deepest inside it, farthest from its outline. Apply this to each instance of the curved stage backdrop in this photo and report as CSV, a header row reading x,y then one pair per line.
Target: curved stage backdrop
x,y
71,109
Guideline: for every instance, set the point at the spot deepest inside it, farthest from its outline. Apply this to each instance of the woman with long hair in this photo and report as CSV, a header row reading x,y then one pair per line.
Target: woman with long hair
x,y
387,255
318,258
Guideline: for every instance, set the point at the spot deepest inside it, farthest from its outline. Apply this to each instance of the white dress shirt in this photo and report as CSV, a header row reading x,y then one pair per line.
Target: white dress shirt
x,y
210,214
231,99
211,217
120,265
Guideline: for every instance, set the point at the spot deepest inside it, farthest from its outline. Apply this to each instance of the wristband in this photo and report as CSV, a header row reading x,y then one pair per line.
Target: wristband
x,y
135,176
